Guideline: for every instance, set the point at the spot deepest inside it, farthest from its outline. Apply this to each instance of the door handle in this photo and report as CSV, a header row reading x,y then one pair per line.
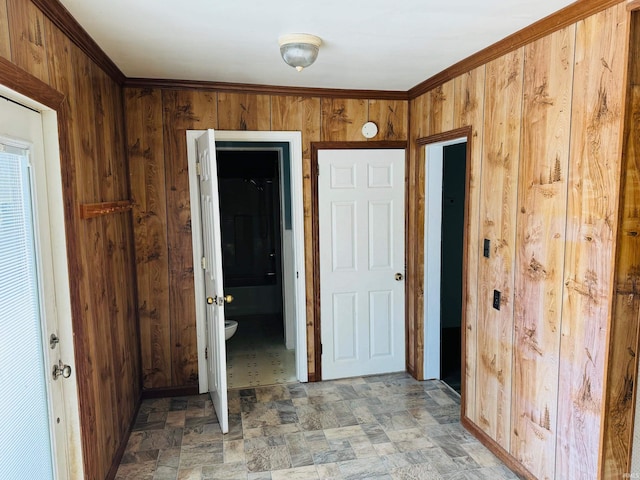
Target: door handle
x,y
399,277
61,370
219,300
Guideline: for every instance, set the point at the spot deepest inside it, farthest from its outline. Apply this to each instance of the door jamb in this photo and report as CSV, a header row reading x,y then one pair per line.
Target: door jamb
x,y
297,218
422,145
315,234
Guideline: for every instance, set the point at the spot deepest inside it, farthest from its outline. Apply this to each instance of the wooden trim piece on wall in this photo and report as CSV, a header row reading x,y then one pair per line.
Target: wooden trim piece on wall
x,y
571,14
419,282
61,18
315,233
496,449
169,392
265,89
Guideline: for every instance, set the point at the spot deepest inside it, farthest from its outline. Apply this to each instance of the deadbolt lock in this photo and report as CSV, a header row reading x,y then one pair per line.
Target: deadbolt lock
x,y
53,340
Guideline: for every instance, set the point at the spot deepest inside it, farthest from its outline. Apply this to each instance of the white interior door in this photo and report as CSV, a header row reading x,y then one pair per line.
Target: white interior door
x,y
213,284
33,433
361,215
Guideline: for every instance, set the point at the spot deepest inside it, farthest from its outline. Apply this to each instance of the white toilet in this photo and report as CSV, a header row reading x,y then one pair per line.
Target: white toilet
x,y
230,327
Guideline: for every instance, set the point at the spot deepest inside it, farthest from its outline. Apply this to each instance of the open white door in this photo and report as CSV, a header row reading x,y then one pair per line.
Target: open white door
x,y
213,284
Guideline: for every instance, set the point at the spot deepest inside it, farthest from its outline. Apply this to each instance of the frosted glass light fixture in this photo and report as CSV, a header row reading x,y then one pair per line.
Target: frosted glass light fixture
x,y
299,49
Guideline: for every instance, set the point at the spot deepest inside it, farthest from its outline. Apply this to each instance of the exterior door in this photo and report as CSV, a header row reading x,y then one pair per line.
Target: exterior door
x,y
212,266
361,225
33,438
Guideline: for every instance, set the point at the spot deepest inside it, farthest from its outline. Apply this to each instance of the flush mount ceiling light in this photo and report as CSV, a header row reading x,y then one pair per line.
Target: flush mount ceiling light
x,y
299,49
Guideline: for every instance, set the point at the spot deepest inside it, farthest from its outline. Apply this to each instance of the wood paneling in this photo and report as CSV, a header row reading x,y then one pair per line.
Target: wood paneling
x,y
342,119
5,46
148,192
419,127
242,111
391,116
27,36
442,105
317,119
501,147
469,111
184,110
592,216
540,240
101,268
622,365
303,114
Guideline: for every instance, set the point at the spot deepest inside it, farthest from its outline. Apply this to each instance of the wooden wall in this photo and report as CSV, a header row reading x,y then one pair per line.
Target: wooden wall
x,y
623,359
545,175
100,250
156,122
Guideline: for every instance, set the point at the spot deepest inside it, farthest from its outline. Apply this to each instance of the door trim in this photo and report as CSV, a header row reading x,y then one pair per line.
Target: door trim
x,y
17,85
422,144
294,139
315,235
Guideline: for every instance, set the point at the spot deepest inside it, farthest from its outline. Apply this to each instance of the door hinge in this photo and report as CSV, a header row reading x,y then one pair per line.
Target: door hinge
x,y
203,263
206,353
198,168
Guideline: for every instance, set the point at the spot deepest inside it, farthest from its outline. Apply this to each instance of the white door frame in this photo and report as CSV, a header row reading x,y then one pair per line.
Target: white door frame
x,y
434,157
58,293
294,139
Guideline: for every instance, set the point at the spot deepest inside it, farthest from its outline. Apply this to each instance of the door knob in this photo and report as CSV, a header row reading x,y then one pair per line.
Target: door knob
x,y
61,370
210,301
399,277
228,298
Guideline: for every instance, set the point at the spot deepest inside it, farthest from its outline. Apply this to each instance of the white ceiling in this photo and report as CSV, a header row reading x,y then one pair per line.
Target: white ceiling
x,y
369,45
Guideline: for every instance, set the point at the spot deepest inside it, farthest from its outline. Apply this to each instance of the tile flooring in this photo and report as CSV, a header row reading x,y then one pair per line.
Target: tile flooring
x,y
379,427
256,354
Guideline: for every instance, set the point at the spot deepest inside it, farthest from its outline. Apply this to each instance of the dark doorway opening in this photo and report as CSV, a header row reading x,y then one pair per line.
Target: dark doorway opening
x,y
453,204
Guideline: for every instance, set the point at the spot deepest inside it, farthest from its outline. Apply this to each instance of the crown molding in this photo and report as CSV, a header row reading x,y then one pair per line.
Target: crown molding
x,y
265,89
62,18
573,13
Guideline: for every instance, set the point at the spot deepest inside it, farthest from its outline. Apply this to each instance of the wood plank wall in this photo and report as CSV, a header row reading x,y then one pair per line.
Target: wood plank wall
x,y
546,159
156,122
623,356
101,249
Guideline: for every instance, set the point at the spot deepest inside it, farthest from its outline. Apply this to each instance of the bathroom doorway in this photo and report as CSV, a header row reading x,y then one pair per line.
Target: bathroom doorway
x,y
255,213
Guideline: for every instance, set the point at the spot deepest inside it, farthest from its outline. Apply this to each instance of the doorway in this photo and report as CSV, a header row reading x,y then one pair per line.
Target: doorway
x,y
40,403
445,209
255,219
292,270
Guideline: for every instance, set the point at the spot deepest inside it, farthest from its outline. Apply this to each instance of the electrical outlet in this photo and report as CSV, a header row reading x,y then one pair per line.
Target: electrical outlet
x,y
487,247
496,299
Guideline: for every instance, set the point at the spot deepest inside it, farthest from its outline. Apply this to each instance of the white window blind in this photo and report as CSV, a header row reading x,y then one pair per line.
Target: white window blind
x,y
25,443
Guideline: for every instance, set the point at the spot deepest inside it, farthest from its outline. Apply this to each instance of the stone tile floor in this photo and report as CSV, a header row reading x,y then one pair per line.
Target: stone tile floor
x,y
378,427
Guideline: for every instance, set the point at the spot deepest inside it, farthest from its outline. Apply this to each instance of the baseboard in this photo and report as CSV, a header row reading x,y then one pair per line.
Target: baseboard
x,y
496,449
117,458
170,392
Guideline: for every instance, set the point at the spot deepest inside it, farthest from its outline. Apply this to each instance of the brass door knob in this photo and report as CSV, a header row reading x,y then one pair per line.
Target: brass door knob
x,y
210,301
228,298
